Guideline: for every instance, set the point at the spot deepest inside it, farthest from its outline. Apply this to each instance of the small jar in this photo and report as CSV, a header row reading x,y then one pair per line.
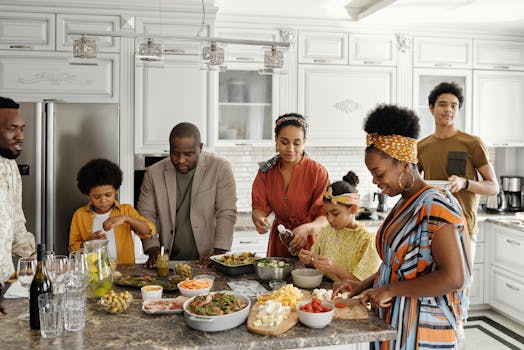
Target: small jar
x,y
162,265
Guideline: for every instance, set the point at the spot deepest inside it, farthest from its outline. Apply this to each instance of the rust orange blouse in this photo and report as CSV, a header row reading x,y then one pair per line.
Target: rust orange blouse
x,y
300,204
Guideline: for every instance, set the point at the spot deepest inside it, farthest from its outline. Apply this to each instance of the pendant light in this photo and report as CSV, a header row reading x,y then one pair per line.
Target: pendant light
x,y
213,57
84,52
273,62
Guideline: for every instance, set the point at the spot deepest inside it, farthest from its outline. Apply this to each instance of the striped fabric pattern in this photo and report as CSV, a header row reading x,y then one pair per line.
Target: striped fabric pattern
x,y
404,244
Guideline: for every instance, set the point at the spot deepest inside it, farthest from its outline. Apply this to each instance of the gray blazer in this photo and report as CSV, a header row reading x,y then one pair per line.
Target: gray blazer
x,y
213,203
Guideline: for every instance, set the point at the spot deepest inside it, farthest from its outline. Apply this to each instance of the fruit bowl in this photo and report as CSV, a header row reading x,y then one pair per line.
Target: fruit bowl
x,y
116,303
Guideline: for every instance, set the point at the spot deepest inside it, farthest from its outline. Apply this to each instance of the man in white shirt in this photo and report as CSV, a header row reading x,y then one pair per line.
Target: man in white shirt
x,y
14,238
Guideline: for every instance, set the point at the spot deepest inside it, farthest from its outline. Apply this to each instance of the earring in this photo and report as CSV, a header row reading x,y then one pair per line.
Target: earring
x,y
412,180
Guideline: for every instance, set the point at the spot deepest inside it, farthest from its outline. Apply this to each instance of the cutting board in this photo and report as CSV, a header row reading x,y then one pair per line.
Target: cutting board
x,y
274,331
353,310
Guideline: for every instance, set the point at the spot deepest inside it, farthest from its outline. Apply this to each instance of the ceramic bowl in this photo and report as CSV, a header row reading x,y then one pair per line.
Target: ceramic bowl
x,y
209,278
193,292
307,278
316,320
153,292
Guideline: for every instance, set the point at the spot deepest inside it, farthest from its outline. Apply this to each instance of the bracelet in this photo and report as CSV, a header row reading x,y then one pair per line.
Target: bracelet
x,y
467,185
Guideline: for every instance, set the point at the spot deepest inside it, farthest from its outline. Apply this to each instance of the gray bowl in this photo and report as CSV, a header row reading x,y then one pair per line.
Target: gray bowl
x,y
268,273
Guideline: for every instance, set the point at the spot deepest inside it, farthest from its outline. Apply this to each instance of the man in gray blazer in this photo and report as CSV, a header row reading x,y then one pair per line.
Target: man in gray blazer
x,y
191,197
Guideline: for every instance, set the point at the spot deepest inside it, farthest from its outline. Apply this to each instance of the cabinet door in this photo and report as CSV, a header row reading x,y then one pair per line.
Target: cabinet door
x,y
246,53
165,97
372,50
424,80
507,249
507,293
38,75
335,100
499,107
442,53
503,55
30,31
476,290
318,47
88,23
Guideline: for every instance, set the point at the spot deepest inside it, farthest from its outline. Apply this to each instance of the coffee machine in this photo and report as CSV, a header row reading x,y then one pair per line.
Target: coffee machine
x,y
511,185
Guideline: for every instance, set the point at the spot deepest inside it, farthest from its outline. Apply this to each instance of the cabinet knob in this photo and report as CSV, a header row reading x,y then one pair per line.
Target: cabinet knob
x,y
512,242
512,287
20,47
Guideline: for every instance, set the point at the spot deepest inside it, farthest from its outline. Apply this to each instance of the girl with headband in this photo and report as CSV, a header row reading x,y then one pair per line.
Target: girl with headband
x,y
344,249
421,286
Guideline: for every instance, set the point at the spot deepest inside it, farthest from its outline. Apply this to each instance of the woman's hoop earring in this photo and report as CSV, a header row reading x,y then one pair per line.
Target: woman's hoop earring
x,y
412,180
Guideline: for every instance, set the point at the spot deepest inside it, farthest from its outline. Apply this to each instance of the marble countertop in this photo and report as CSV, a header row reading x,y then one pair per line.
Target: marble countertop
x,y
134,329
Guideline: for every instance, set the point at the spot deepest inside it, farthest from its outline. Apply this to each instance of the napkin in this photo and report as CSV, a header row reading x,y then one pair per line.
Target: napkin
x,y
250,288
16,290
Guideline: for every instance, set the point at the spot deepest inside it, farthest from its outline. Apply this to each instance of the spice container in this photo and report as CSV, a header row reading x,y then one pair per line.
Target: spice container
x,y
162,264
286,236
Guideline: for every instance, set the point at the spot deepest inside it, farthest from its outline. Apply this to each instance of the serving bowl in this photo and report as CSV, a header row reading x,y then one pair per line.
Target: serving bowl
x,y
316,319
220,322
116,303
307,278
269,269
222,263
153,292
191,292
208,278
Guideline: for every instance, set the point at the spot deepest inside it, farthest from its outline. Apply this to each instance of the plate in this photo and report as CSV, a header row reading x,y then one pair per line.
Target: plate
x,y
232,270
138,281
164,303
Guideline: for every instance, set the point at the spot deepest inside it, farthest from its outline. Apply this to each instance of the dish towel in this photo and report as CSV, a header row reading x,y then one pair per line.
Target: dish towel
x,y
16,290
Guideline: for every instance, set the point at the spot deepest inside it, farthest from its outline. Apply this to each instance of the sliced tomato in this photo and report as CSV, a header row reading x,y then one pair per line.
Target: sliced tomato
x,y
340,305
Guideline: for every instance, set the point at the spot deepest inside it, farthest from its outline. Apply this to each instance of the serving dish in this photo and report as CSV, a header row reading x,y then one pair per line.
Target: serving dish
x,y
220,322
232,270
272,268
138,281
164,306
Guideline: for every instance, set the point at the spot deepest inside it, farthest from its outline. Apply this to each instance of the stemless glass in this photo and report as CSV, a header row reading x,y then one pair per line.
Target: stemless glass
x,y
77,274
56,266
25,272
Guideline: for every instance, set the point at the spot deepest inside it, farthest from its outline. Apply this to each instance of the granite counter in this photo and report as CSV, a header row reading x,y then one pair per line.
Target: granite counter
x,y
134,329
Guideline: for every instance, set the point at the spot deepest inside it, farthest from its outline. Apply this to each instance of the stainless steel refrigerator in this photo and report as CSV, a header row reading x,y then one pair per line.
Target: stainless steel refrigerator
x,y
59,139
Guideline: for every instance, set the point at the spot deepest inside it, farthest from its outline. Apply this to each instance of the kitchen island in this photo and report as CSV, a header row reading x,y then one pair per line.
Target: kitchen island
x,y
134,329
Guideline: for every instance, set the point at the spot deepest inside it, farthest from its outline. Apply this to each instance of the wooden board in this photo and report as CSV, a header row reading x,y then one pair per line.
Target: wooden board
x,y
274,331
353,310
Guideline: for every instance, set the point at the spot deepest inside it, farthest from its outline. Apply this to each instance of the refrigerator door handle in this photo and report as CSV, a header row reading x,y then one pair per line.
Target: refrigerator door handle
x,y
38,171
49,176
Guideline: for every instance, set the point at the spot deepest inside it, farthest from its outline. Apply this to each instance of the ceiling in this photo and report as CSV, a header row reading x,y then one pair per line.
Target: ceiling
x,y
487,16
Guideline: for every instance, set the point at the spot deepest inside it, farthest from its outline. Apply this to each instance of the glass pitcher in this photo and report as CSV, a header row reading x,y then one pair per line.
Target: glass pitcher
x,y
100,273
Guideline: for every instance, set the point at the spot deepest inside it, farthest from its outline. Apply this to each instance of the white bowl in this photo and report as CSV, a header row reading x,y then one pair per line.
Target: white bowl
x,y
193,292
307,278
316,320
209,278
152,292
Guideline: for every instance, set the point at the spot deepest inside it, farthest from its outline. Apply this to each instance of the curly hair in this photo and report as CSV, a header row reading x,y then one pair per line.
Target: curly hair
x,y
347,185
446,88
294,119
98,172
7,103
392,120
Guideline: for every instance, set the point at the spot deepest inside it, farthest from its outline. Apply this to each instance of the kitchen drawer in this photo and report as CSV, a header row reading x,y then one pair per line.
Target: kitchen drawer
x,y
442,52
88,23
507,293
500,55
476,291
479,253
326,48
27,31
507,249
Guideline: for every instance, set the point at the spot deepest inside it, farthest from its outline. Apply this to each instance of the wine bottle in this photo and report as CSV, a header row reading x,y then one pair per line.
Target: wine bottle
x,y
41,284
286,236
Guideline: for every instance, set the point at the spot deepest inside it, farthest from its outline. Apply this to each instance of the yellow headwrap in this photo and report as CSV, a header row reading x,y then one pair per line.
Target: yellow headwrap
x,y
344,198
397,146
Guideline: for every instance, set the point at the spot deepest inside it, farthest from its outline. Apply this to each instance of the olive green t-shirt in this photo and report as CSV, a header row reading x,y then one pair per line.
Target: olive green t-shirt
x,y
461,155
184,245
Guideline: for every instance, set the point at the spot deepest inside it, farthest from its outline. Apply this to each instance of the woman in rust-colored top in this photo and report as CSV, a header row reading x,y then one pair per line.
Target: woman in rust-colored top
x,y
290,185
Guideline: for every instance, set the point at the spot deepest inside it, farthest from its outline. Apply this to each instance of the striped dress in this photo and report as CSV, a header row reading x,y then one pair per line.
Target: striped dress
x,y
404,244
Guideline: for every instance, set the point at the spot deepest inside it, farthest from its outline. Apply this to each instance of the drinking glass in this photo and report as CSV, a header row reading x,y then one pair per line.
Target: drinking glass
x,y
56,266
77,276
50,310
75,309
25,271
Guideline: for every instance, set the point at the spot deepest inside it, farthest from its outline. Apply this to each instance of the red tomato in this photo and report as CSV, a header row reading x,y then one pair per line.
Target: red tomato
x,y
340,305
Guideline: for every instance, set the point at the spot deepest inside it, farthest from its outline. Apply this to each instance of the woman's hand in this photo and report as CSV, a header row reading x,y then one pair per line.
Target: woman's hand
x,y
114,221
305,256
97,235
300,234
325,264
262,224
353,287
378,297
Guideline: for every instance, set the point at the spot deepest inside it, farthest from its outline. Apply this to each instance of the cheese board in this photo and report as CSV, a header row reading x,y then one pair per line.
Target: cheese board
x,y
353,310
274,331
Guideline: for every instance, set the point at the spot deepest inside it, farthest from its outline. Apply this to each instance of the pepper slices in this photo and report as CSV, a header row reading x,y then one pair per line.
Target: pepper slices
x,y
315,306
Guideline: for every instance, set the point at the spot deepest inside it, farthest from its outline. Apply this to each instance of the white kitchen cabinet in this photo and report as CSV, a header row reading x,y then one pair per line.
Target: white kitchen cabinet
x,y
166,96
27,31
476,291
442,52
88,23
336,99
250,241
507,249
373,50
500,55
26,75
323,47
507,293
247,105
424,80
246,53
498,107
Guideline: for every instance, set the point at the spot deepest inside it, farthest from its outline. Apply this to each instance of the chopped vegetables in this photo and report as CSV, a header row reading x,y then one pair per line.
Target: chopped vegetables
x,y
315,306
194,284
268,262
216,304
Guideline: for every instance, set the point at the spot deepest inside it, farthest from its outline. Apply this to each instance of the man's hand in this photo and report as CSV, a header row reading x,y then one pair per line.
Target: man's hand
x,y
456,183
97,235
153,253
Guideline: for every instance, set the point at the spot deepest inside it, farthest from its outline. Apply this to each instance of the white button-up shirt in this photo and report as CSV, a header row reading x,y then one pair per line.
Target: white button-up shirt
x,y
14,238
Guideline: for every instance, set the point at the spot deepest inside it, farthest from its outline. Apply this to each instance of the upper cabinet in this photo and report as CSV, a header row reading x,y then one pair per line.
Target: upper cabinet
x,y
424,80
27,31
500,55
336,99
498,107
442,53
372,50
323,47
89,23
166,96
246,53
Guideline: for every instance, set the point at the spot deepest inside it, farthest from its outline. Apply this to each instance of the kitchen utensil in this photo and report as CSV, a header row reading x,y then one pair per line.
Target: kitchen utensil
x,y
217,323
511,183
496,203
307,278
382,205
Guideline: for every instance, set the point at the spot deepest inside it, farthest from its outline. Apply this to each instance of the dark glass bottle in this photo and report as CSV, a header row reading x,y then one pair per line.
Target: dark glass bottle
x,y
286,236
41,284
